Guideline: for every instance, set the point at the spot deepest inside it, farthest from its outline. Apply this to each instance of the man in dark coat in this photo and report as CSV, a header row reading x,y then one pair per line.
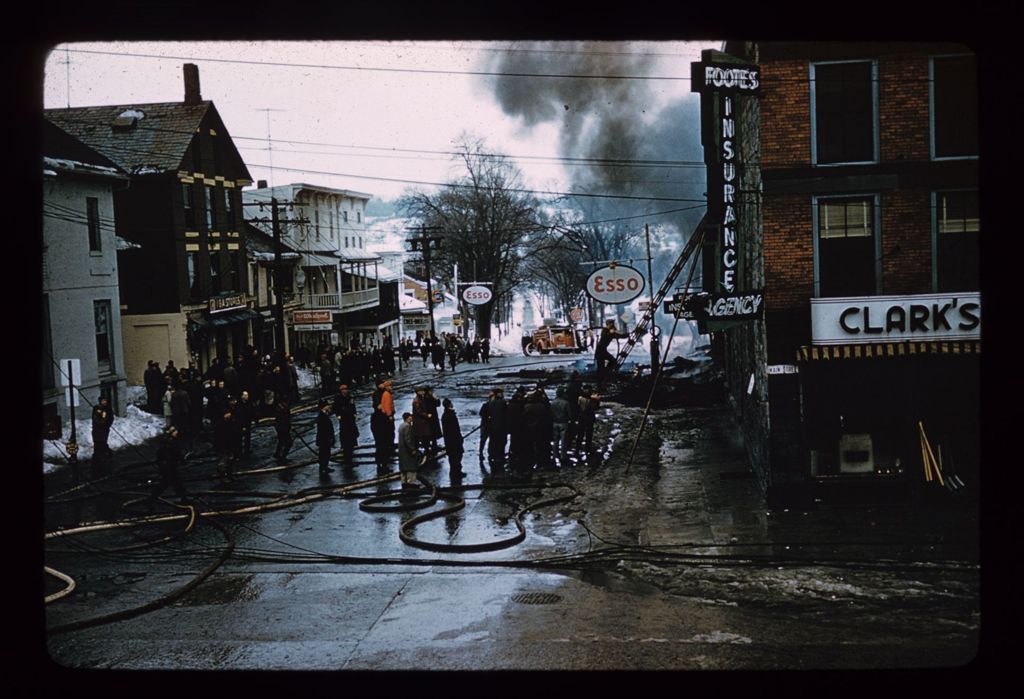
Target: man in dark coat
x,y
485,350
437,354
422,414
348,431
499,428
181,408
517,428
560,426
572,396
168,458
102,419
226,439
245,412
452,432
283,427
485,423
153,378
324,436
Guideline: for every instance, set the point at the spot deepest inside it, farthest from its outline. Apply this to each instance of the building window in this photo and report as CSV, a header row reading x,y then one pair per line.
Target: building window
x,y
359,217
47,340
316,223
330,215
846,248
104,337
344,216
215,285
957,241
211,218
232,274
192,265
954,107
843,99
187,200
92,208
346,241
229,211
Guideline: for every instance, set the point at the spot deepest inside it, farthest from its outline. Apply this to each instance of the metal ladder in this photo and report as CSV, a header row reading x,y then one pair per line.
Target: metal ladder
x,y
641,327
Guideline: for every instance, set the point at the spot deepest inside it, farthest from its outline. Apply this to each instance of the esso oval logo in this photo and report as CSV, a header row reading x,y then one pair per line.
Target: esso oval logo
x,y
619,284
477,295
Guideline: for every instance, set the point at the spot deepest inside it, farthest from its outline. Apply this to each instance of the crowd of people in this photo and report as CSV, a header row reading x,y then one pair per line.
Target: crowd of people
x,y
538,432
528,431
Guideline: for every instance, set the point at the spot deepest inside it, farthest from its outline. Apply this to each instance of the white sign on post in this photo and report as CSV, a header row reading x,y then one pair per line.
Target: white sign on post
x,y
72,394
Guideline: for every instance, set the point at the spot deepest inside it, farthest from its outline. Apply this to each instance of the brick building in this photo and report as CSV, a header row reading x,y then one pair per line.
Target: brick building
x,y
851,200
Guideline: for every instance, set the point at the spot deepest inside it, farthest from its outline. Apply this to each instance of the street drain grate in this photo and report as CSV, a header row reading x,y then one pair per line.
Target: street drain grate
x,y
536,598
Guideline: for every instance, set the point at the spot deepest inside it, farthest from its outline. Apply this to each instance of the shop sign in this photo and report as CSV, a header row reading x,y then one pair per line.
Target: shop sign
x,y
747,305
476,294
614,284
924,317
776,369
219,304
576,315
725,77
310,321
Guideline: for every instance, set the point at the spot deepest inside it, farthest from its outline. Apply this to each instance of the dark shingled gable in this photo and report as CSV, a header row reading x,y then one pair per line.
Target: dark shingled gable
x,y
158,141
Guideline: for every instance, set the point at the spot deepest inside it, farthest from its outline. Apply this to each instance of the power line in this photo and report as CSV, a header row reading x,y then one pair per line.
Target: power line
x,y
422,71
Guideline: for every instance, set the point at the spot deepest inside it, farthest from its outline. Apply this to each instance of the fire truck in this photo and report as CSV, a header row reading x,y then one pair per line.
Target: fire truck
x,y
563,339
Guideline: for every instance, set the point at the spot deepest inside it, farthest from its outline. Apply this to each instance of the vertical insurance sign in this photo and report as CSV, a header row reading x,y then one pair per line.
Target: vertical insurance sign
x,y
718,84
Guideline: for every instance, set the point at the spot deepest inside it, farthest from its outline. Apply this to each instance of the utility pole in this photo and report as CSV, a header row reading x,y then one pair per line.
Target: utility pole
x,y
655,343
278,271
425,244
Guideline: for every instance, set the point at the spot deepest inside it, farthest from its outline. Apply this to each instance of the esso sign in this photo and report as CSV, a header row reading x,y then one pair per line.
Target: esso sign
x,y
618,284
476,295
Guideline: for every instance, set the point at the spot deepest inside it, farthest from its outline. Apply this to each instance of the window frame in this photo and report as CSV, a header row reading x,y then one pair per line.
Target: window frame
x,y
188,194
935,233
875,118
211,214
931,108
92,217
876,232
110,368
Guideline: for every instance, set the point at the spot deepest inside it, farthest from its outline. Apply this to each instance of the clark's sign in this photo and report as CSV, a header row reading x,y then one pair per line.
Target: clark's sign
x,y
614,284
864,319
742,305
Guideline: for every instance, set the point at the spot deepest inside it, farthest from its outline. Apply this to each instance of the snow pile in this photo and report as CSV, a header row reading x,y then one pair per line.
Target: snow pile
x,y
136,427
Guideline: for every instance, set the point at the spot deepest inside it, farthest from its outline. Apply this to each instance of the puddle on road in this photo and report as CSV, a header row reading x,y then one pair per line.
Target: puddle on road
x,y
222,590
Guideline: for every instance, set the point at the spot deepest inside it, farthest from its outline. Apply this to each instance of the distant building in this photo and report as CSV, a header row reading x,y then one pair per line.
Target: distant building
x,y
339,283
260,253
81,298
183,281
843,184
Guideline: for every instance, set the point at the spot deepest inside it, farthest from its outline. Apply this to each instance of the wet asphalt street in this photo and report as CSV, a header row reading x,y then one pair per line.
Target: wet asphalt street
x,y
669,562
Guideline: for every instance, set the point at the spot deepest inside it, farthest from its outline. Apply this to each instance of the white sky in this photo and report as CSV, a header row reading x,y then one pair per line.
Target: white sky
x,y
364,112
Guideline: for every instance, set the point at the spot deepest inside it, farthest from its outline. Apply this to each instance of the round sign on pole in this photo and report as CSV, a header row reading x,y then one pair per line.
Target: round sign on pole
x,y
576,315
615,284
476,294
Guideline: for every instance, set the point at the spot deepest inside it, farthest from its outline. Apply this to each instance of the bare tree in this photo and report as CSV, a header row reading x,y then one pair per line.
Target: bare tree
x,y
488,222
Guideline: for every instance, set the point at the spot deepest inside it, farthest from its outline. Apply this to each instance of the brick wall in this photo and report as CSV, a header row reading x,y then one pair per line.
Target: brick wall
x,y
906,242
788,251
785,114
903,108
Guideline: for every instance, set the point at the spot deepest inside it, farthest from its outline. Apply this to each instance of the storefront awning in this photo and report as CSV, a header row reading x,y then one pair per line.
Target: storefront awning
x,y
310,259
226,318
886,350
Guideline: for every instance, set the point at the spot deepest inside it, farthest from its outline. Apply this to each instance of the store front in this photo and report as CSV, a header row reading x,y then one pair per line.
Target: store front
x,y
223,330
866,404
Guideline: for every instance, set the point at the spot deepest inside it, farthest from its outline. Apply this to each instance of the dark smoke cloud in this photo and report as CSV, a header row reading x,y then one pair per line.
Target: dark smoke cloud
x,y
608,119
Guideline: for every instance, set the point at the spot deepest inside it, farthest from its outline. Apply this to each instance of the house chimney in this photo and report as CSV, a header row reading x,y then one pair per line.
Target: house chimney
x,y
192,95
